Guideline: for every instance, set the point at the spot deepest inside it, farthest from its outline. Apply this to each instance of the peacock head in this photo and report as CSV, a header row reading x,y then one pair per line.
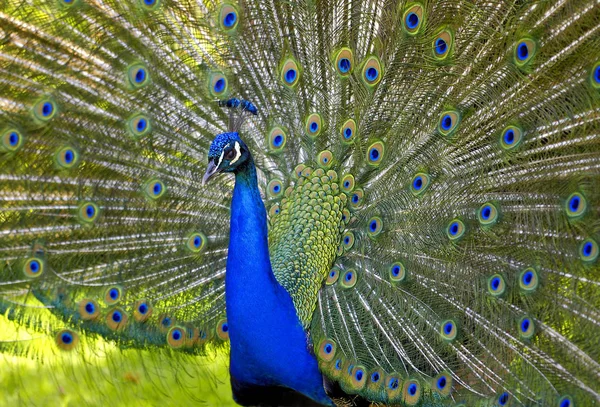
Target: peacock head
x,y
227,153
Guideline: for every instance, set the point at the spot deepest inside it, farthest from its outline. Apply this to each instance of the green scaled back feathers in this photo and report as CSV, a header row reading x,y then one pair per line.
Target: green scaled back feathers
x,y
431,171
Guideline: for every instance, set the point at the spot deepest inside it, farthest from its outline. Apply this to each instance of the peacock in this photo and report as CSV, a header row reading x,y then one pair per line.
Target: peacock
x,y
358,202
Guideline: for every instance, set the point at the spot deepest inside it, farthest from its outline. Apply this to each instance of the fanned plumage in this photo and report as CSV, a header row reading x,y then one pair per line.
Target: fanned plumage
x,y
431,173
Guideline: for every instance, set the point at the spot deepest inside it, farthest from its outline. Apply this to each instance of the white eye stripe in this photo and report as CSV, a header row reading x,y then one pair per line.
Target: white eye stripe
x,y
238,153
221,158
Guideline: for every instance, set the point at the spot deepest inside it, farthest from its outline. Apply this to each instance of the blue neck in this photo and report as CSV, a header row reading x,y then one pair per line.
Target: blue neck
x,y
268,344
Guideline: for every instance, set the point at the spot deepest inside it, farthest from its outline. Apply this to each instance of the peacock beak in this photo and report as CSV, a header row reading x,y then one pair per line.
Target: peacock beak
x,y
210,171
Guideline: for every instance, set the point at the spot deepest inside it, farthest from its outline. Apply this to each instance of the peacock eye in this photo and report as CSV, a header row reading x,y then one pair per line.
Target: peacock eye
x,y
230,155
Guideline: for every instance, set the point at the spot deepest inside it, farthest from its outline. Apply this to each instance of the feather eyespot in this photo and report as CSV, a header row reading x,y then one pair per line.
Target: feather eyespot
x,y
326,350
228,17
142,310
45,110
196,242
313,124
487,214
411,392
223,330
443,384
139,125
442,44
218,85
375,153
526,327
358,378
348,131
356,199
34,267
413,19
325,159
372,71
449,121
277,139
333,276
12,140
176,337
88,212
348,240
66,157
576,205
349,278
375,377
496,285
137,75
274,210
275,188
588,251
524,51
455,230
66,339
347,183
290,72
154,189
150,4
511,137
528,280
420,183
89,309
393,388
344,62
116,319
375,226
113,295
397,272
448,330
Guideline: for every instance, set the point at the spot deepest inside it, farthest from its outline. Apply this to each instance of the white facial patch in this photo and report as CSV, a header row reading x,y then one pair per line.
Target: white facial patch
x,y
222,154
238,153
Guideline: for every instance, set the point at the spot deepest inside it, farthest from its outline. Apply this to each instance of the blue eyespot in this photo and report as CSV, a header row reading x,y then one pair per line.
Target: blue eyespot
x,y
454,228
525,324
328,348
314,126
371,74
440,46
166,321
90,308
66,338
197,241
347,184
446,122
509,136
140,75
346,240
348,276
338,364
418,183
113,293
278,140
374,154
224,327
143,308
565,401
527,277
393,383
219,85
587,249
141,125
359,375
230,19
116,316
396,270
290,76
522,51
355,198
149,2
347,132
344,65
448,327
375,377
441,383
90,211
495,283
373,225
47,109
486,212
13,139
412,21
176,335
503,399
34,266
574,203
596,78
412,389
